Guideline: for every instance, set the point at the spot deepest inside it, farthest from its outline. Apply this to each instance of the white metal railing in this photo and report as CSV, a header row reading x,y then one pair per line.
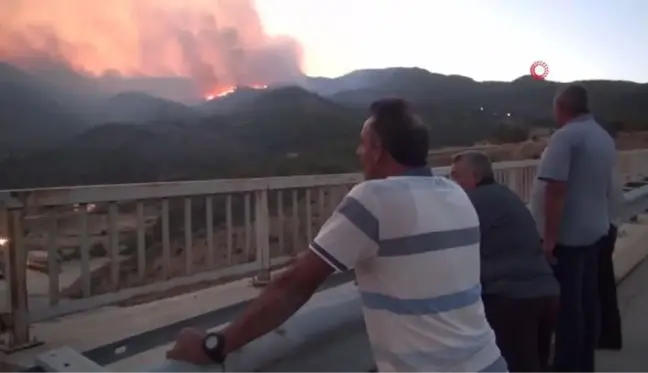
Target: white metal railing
x,y
72,249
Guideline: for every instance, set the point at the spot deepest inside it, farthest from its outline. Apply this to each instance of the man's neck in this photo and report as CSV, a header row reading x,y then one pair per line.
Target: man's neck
x,y
579,118
396,169
486,181
417,171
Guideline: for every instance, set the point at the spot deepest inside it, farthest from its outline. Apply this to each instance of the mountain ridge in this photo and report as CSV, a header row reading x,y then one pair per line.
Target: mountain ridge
x,y
310,127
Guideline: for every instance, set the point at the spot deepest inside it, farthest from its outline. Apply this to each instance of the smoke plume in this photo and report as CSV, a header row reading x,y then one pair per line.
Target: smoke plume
x,y
217,43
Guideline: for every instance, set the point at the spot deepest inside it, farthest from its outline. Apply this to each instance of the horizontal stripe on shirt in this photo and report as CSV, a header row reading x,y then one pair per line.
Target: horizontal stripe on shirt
x,y
367,223
430,241
424,306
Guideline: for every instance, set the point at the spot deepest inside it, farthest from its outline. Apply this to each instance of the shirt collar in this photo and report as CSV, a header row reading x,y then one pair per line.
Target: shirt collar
x,y
581,118
418,171
486,181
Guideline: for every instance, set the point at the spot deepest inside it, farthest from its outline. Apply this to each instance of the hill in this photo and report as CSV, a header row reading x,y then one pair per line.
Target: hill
x,y
277,131
274,138
31,116
138,107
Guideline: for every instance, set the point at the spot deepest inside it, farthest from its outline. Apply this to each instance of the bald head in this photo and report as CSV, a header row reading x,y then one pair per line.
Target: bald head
x,y
570,102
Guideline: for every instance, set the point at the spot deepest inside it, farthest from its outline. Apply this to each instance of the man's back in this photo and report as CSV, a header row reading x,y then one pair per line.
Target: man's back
x,y
513,264
421,288
583,155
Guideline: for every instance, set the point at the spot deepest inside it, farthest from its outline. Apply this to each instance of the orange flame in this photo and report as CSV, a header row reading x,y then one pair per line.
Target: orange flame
x,y
219,93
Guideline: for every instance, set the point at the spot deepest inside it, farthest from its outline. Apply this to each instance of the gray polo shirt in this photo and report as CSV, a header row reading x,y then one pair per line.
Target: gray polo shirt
x,y
583,155
512,262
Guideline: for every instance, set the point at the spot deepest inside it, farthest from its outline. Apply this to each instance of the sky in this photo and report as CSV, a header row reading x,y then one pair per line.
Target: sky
x,y
482,39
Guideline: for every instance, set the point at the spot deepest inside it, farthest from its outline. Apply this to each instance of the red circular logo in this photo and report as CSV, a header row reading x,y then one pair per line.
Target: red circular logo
x,y
539,70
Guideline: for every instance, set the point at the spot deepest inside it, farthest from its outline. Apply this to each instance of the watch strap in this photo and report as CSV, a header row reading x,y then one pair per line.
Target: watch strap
x,y
215,354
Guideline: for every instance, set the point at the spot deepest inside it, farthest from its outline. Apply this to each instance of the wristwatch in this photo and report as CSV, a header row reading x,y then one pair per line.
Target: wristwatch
x,y
214,346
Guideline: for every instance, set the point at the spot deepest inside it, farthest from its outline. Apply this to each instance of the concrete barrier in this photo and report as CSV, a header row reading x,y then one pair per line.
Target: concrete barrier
x,y
338,308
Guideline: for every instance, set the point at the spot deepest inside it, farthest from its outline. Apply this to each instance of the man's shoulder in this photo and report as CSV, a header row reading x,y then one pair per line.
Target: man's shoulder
x,y
405,183
367,191
587,126
420,190
565,133
491,192
581,135
596,140
362,189
496,199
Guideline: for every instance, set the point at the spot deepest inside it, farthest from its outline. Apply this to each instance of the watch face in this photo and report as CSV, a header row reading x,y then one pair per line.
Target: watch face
x,y
211,342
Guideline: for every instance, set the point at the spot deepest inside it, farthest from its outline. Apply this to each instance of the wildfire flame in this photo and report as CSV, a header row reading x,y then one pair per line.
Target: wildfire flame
x,y
229,90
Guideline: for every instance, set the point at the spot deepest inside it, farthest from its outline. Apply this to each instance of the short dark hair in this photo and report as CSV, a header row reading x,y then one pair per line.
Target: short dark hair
x,y
479,163
400,131
573,99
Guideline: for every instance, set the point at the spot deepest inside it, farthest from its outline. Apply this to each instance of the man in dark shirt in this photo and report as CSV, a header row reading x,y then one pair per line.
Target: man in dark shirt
x,y
519,291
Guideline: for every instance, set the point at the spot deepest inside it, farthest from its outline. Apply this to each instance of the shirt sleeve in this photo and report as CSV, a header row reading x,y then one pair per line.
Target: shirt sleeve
x,y
350,235
556,159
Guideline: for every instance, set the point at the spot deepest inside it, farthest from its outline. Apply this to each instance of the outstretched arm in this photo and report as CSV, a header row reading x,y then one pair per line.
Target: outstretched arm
x,y
348,237
278,301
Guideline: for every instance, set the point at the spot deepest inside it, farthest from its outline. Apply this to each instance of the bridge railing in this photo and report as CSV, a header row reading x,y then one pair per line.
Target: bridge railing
x,y
77,248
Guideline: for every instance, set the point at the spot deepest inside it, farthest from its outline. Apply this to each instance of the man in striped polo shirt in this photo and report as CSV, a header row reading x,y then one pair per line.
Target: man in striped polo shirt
x,y
413,240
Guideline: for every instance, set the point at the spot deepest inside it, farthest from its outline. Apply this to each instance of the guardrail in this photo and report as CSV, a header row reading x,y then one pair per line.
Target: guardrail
x,y
308,339
105,244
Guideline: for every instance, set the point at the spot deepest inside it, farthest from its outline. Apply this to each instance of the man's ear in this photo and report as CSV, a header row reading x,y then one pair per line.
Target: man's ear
x,y
379,154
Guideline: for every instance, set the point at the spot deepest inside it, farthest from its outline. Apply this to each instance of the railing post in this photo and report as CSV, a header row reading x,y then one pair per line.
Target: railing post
x,y
262,221
512,179
622,167
526,176
644,163
16,323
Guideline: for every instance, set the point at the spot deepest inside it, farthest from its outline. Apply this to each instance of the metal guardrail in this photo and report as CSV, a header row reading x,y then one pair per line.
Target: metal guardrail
x,y
636,202
274,218
15,205
305,338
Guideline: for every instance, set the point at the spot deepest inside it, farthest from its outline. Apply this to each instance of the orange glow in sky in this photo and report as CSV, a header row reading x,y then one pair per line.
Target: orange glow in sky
x,y
218,43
